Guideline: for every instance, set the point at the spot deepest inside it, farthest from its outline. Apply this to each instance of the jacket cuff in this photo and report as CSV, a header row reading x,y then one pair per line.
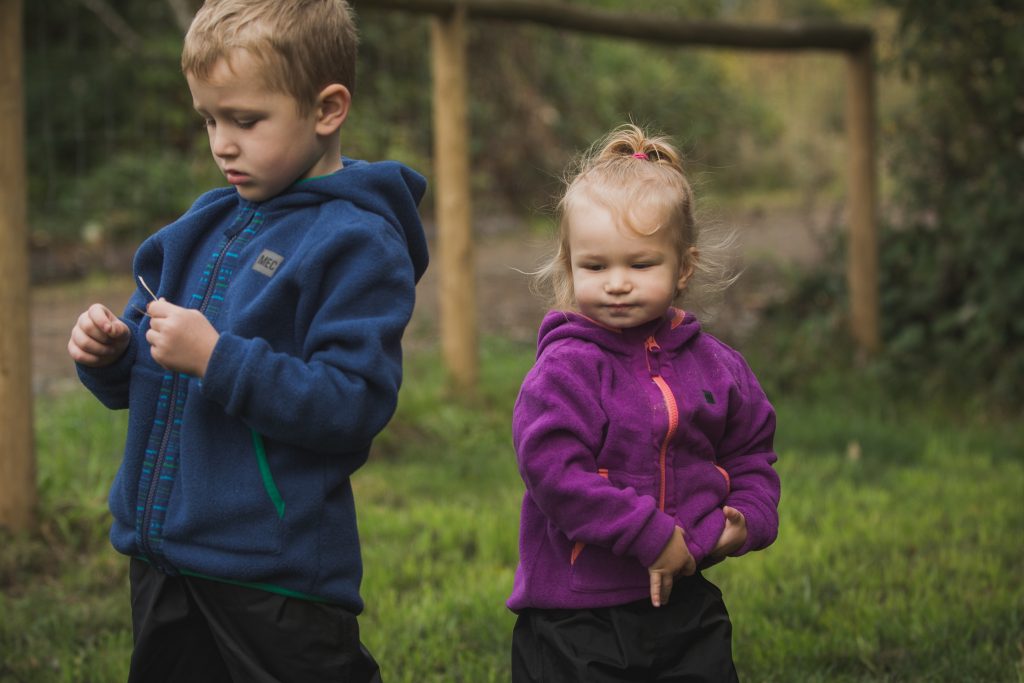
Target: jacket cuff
x,y
222,368
758,534
653,539
701,539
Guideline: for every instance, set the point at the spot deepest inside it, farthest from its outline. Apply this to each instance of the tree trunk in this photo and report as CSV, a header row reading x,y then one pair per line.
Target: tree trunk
x,y
17,459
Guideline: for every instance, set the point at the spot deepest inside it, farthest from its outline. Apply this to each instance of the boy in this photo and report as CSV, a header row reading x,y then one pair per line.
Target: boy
x,y
259,357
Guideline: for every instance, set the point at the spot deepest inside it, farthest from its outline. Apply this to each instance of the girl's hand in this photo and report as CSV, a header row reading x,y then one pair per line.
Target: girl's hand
x,y
98,338
180,339
674,559
734,535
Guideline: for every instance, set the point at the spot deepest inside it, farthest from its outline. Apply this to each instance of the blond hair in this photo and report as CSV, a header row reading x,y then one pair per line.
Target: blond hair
x,y
629,173
302,45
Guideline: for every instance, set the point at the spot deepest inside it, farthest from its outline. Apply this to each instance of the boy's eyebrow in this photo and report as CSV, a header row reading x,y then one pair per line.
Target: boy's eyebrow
x,y
230,111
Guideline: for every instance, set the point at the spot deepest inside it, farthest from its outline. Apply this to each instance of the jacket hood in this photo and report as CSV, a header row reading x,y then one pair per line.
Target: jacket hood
x,y
673,330
386,188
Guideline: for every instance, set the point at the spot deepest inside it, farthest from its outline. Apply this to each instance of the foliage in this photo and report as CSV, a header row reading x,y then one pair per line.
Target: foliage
x,y
100,102
952,284
94,99
898,558
528,117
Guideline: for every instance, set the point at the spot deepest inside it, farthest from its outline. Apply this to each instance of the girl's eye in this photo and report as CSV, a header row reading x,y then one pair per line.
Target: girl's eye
x,y
209,123
593,266
245,125
642,266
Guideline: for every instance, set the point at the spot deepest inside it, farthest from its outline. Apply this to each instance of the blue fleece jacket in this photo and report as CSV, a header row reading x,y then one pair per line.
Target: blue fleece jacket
x,y
243,476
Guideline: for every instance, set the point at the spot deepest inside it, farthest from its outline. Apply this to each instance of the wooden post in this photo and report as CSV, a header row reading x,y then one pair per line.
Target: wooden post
x,y
17,459
457,271
862,267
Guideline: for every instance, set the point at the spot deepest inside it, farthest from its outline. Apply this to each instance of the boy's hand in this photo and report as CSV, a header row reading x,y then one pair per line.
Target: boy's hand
x,y
734,535
674,559
181,339
98,338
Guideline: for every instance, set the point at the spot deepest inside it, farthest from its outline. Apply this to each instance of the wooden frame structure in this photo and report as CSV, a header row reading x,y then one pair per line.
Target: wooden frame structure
x,y
455,243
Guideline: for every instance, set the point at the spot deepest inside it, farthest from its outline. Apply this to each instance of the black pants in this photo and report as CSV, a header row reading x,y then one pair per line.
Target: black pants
x,y
689,640
192,630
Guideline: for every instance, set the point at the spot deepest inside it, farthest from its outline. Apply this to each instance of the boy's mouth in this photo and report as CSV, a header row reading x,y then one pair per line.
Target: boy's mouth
x,y
236,177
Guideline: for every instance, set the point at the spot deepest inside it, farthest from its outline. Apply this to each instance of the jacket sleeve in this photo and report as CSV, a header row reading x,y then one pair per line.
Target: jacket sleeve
x,y
110,383
341,390
557,431
746,452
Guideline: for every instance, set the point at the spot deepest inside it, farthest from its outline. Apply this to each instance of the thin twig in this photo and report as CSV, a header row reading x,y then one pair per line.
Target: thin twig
x,y
146,287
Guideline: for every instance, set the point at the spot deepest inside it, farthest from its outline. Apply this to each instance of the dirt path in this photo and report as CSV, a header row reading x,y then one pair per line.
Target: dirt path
x,y
770,241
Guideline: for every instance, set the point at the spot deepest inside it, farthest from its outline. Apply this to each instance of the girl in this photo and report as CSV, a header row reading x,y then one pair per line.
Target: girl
x,y
645,444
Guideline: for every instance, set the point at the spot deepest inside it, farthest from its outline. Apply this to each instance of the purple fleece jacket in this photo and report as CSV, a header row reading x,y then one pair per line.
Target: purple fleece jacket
x,y
621,435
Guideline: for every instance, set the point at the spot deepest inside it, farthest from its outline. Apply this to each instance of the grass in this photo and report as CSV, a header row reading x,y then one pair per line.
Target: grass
x,y
900,555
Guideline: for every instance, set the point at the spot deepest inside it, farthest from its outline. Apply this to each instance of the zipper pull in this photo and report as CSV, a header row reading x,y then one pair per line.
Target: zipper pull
x,y
653,351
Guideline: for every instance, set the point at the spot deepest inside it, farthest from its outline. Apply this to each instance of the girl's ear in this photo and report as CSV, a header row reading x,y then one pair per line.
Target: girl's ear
x,y
332,108
686,268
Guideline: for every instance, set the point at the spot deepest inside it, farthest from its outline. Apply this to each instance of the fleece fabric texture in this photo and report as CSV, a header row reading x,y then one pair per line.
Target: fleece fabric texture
x,y
622,435
243,476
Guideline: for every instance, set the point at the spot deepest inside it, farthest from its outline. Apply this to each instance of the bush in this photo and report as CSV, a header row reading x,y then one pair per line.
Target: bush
x,y
951,283
952,286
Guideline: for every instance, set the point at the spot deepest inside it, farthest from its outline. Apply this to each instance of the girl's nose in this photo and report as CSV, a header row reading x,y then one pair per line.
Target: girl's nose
x,y
617,283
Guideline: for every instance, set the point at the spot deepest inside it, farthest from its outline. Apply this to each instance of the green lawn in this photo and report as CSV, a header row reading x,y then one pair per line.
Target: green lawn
x,y
900,556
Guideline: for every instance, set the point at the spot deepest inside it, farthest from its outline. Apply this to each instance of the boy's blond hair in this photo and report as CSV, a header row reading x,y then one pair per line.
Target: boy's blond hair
x,y
629,172
302,45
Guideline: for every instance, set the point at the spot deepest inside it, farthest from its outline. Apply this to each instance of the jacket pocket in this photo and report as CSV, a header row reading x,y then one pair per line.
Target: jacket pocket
x,y
267,476
226,497
725,475
598,570
595,569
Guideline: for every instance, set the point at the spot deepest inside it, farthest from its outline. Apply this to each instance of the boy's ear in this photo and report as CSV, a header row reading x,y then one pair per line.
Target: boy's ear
x,y
332,108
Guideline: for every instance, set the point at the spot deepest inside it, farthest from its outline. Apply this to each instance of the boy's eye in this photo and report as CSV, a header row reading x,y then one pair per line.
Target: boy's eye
x,y
246,124
209,123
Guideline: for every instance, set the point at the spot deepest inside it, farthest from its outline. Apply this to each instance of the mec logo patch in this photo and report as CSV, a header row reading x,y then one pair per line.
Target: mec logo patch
x,y
267,263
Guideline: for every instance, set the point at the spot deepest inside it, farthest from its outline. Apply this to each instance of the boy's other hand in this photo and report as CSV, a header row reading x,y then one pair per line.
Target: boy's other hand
x,y
734,535
674,559
180,339
98,338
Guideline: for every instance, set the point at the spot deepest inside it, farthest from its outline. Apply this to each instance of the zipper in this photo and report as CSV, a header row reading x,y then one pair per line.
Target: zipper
x,y
161,456
212,284
158,472
671,407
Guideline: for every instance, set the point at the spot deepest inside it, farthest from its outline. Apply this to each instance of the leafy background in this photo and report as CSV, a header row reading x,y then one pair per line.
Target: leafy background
x,y
900,557
115,151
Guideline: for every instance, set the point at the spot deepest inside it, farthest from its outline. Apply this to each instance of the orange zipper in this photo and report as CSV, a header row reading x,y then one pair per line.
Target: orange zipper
x,y
673,416
672,408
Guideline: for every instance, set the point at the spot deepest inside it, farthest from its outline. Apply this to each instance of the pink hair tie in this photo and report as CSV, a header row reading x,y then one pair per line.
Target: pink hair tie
x,y
640,155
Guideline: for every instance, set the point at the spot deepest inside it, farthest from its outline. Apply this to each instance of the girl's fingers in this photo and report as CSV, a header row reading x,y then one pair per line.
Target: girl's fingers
x,y
656,589
661,588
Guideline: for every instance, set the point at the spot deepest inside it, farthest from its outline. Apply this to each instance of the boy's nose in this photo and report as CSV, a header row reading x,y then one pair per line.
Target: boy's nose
x,y
222,145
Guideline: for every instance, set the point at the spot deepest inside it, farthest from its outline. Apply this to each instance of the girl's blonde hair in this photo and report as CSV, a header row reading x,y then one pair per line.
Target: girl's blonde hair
x,y
629,173
302,45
